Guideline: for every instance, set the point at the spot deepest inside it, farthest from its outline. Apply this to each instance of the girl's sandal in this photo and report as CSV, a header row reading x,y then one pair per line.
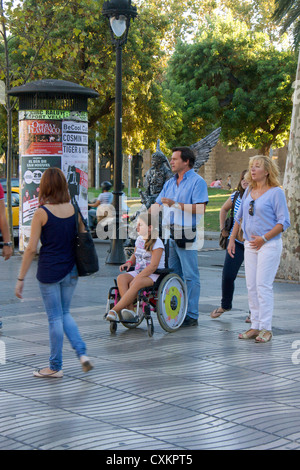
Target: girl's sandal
x,y
112,316
249,334
218,312
264,336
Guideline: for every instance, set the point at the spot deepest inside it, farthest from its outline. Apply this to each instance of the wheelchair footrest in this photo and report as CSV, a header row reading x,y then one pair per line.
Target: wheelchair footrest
x,y
134,320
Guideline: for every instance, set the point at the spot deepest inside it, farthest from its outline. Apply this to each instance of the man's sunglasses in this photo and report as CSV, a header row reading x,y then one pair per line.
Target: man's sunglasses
x,y
251,208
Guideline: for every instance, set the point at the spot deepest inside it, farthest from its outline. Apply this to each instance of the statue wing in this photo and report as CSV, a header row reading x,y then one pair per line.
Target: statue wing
x,y
203,148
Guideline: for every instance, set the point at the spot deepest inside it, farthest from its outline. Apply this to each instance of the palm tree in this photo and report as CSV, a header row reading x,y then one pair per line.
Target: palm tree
x,y
288,12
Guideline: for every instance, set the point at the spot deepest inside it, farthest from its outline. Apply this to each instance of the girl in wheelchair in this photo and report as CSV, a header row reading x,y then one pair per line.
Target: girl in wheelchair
x,y
148,256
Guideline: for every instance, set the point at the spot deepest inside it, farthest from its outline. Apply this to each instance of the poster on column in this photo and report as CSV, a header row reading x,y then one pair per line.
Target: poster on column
x,y
40,137
75,161
54,138
32,169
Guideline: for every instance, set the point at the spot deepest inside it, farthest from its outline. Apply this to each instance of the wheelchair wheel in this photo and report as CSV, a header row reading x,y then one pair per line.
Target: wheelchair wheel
x,y
171,304
113,326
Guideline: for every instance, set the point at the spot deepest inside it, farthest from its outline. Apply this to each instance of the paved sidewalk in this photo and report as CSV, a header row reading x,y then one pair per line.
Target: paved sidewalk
x,y
198,388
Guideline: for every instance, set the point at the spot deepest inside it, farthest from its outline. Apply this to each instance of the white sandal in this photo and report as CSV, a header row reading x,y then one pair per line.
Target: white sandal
x,y
112,316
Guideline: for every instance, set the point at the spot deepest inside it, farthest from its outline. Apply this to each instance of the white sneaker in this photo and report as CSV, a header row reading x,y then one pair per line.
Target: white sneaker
x,y
86,363
128,315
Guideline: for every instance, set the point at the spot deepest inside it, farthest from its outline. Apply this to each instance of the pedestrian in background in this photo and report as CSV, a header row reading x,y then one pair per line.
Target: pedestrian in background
x,y
4,228
54,224
231,265
265,216
229,182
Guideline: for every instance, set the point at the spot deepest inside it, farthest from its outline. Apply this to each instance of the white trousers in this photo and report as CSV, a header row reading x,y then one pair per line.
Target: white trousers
x,y
261,268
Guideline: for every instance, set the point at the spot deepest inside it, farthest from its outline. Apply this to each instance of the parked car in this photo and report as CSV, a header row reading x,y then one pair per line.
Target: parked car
x,y
15,201
14,183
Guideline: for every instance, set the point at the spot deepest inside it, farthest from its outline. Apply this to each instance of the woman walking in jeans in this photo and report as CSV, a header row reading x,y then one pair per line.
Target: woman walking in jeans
x,y
231,265
54,224
264,215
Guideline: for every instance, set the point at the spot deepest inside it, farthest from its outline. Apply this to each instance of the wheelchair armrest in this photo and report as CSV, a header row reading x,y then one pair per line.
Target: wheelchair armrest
x,y
162,271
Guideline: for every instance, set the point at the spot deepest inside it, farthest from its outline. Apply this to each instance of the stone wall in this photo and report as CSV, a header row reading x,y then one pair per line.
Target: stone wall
x,y
223,162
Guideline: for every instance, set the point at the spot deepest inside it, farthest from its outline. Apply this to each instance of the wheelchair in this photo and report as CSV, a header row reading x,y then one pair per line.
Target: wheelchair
x,y
167,298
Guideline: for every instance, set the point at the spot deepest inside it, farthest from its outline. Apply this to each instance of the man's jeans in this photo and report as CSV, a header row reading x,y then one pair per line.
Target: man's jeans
x,y
57,299
185,263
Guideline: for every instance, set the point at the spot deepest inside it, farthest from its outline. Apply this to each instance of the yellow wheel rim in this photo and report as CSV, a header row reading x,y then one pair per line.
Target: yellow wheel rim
x,y
172,302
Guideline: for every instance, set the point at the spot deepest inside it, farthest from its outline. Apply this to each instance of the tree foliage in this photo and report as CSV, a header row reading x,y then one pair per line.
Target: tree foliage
x,y
70,40
287,12
233,78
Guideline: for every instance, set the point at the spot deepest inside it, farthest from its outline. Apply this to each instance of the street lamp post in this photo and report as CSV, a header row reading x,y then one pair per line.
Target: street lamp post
x,y
119,13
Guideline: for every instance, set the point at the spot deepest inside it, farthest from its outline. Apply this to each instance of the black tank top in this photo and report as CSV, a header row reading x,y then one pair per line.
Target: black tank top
x,y
56,258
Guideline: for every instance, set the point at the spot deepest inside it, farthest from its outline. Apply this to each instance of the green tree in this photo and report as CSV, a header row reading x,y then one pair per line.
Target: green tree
x,y
233,78
70,40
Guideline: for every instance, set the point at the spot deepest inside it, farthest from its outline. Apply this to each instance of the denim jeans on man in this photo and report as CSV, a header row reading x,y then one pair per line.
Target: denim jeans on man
x,y
185,263
57,298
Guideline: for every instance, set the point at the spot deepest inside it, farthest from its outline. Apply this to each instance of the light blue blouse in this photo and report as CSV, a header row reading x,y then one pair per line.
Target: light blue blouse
x,y
269,209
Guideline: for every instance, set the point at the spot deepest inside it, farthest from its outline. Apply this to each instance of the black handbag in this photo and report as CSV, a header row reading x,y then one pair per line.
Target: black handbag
x,y
86,258
183,235
228,225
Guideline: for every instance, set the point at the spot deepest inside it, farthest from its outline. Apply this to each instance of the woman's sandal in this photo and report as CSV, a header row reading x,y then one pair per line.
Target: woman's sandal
x,y
249,334
112,316
218,312
264,336
53,373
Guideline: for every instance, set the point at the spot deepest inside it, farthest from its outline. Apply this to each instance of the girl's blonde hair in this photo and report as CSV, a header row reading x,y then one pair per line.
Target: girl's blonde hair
x,y
269,165
150,220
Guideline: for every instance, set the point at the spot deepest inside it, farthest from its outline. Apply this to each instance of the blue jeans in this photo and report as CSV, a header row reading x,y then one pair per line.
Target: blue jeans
x,y
92,216
57,298
185,263
230,270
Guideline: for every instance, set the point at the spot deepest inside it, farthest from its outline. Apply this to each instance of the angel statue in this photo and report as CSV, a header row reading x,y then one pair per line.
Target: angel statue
x,y
160,171
155,177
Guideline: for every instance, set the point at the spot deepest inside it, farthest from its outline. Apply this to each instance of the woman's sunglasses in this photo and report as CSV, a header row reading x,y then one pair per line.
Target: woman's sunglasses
x,y
251,207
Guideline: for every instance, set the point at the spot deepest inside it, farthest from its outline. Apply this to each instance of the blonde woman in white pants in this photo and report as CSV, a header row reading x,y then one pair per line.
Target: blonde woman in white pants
x,y
264,215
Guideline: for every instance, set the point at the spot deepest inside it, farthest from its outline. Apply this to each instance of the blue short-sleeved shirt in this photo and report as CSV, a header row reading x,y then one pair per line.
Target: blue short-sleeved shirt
x,y
270,209
191,190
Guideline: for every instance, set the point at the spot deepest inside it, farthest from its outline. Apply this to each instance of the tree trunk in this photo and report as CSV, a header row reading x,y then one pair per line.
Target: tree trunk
x,y
9,123
290,262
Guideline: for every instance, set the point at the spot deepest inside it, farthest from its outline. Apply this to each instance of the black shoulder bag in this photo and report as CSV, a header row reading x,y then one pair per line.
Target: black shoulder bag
x,y
86,258
228,224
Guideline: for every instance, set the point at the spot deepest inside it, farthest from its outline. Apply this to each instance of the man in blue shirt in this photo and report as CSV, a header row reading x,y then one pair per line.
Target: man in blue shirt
x,y
184,198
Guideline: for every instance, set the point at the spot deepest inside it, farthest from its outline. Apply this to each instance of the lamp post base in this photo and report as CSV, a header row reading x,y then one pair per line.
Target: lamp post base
x,y
116,254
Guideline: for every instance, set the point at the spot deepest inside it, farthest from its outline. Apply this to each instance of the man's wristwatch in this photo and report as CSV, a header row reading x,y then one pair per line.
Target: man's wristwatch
x,y
177,205
7,244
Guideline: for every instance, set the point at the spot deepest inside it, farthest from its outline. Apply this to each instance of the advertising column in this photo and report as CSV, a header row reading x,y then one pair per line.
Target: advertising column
x,y
51,138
